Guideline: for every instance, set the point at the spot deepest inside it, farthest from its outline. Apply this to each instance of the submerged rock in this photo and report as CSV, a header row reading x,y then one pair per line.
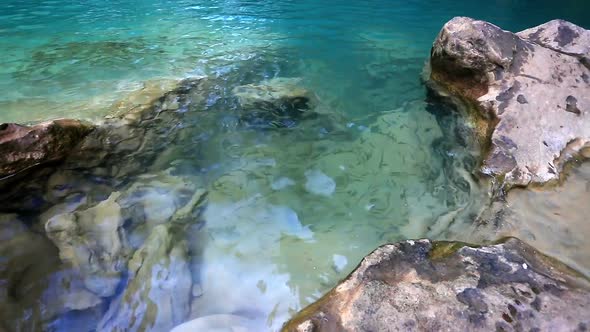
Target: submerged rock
x,y
230,323
134,106
275,103
93,242
450,286
553,220
155,199
22,275
35,292
23,147
529,93
158,289
275,94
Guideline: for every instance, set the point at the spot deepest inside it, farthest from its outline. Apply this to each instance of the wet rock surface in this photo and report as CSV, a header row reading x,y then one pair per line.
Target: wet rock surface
x,y
529,93
553,220
449,286
23,147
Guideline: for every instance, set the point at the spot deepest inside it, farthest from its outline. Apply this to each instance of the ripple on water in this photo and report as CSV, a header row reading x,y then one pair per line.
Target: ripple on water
x,y
291,211
301,221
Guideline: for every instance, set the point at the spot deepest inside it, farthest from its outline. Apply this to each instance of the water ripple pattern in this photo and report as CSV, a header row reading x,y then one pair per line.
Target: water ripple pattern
x,y
290,197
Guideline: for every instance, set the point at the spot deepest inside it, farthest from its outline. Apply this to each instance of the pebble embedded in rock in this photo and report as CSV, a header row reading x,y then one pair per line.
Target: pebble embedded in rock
x,y
521,99
571,105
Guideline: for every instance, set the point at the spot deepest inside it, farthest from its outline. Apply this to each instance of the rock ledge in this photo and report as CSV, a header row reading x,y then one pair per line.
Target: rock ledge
x,y
22,147
450,286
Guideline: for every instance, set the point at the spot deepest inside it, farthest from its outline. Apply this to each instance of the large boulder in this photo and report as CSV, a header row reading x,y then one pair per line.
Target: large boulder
x,y
450,286
22,147
530,93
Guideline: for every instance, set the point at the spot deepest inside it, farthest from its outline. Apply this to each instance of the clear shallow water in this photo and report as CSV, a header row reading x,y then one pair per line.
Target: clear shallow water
x,y
290,212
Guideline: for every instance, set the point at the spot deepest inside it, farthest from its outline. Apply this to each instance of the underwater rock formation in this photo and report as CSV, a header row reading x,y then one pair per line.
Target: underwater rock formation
x,y
449,286
134,106
23,147
156,199
117,170
220,322
157,294
35,292
278,93
105,199
93,242
278,101
137,132
140,128
551,219
528,92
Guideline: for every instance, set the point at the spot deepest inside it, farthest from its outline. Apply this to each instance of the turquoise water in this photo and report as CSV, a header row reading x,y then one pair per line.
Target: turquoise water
x,y
290,212
69,58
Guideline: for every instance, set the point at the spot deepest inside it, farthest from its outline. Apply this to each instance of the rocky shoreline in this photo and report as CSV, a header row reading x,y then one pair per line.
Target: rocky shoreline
x,y
121,231
528,96
450,286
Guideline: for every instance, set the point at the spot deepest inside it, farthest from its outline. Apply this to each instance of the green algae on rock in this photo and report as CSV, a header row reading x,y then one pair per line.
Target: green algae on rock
x,y
498,287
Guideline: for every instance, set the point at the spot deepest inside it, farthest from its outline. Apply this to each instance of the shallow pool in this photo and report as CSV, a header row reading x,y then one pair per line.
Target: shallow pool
x,y
290,209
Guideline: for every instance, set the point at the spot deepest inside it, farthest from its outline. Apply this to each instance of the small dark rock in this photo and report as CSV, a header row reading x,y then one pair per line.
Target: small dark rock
x,y
572,105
